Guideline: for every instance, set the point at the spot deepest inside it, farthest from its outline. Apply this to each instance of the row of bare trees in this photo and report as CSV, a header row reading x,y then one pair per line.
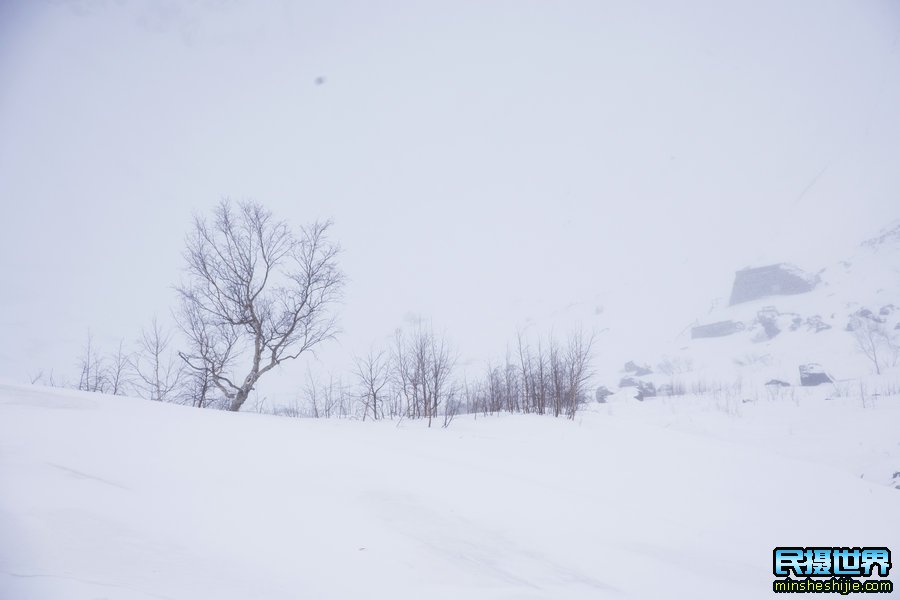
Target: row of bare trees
x,y
150,369
412,379
416,378
876,342
549,378
256,294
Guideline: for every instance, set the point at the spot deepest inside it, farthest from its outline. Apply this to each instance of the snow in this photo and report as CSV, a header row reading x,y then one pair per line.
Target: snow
x,y
110,497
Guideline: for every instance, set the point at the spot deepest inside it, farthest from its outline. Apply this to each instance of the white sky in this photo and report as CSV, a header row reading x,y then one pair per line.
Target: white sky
x,y
634,154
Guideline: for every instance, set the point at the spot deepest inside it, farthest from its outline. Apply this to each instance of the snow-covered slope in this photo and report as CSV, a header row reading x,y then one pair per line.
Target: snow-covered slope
x,y
769,337
108,497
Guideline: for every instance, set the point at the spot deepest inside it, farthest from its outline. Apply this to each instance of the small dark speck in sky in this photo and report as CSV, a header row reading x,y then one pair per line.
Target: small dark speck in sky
x,y
319,80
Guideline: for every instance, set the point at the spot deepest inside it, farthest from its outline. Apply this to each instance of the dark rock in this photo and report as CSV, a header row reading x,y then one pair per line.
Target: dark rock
x,y
815,323
638,370
772,280
768,318
886,236
645,390
718,329
778,382
865,313
886,310
628,382
813,374
602,394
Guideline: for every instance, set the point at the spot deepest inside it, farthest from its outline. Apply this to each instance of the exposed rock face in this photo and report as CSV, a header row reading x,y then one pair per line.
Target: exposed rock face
x,y
778,383
772,280
602,393
887,236
768,318
628,382
815,323
813,374
638,370
856,319
718,329
645,390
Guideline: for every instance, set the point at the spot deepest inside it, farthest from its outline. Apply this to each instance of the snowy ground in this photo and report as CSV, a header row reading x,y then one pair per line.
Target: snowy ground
x,y
116,498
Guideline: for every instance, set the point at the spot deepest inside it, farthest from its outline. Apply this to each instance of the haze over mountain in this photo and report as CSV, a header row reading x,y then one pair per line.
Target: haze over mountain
x,y
486,164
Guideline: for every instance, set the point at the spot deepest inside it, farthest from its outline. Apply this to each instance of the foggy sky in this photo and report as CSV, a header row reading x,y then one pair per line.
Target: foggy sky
x,y
487,164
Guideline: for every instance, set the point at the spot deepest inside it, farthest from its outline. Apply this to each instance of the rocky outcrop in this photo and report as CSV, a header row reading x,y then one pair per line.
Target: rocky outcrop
x,y
768,318
638,370
815,323
717,329
778,383
628,382
858,318
602,394
813,374
772,280
645,389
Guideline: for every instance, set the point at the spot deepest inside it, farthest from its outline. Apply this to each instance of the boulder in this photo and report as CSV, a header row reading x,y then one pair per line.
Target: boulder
x,y
638,370
628,382
772,280
778,383
645,390
865,313
768,318
812,374
815,323
717,329
602,393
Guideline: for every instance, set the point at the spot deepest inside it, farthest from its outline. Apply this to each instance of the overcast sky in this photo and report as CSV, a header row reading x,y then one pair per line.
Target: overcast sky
x,y
634,154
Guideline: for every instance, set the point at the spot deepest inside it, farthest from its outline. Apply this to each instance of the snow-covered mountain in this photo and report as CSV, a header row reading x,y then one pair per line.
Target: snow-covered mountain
x,y
778,318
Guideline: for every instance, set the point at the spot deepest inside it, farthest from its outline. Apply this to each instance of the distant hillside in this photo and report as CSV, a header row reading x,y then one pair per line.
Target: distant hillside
x,y
780,318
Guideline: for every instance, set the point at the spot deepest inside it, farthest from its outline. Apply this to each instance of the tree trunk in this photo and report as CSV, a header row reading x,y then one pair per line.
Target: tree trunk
x,y
239,398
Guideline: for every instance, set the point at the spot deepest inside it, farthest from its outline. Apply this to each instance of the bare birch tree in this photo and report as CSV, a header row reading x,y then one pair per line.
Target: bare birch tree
x,y
255,295
372,373
92,369
119,371
873,340
157,371
422,368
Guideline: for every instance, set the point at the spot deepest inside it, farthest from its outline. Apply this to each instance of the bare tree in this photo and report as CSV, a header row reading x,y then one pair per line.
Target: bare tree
x,y
372,374
197,389
158,372
119,371
422,366
252,285
93,372
554,381
42,378
872,339
578,360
